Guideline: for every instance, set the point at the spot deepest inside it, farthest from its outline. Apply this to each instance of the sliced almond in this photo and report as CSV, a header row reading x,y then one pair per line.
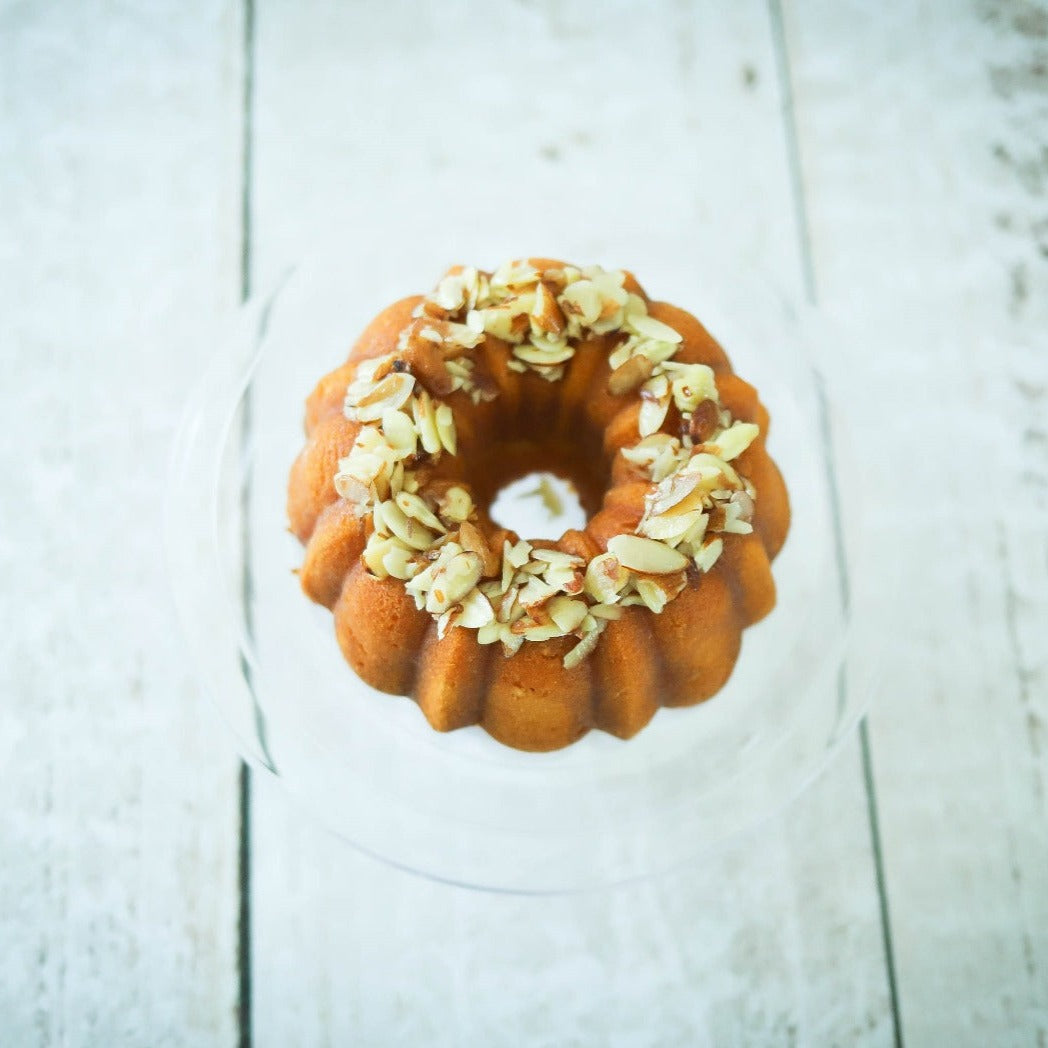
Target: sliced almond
x,y
541,632
408,530
744,500
712,466
736,439
653,596
456,505
567,613
511,642
652,415
476,611
648,327
648,450
489,632
672,490
582,300
707,556
452,581
444,419
671,530
557,556
583,649
390,393
546,315
399,563
697,531
414,507
544,353
605,578
425,420
353,490
535,592
646,555
519,554
692,385
629,375
399,431
515,274
375,552
656,352
472,539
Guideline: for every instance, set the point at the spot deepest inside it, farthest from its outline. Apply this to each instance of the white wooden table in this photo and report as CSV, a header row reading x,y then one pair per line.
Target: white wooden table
x,y
158,161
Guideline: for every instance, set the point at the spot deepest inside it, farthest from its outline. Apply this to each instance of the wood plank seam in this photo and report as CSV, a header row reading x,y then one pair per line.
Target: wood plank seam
x,y
244,954
796,174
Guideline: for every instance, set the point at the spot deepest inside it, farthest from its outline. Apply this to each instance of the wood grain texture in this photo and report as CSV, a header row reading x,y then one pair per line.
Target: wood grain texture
x,y
922,132
556,130
118,179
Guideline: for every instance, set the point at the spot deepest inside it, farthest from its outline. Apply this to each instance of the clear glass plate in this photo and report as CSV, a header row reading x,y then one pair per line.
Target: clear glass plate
x,y
460,807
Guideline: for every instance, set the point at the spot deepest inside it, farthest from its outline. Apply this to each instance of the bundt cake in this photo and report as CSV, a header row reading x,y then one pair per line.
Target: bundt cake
x,y
538,366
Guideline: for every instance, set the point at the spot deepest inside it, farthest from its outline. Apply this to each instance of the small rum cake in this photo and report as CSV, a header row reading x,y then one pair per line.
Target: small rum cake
x,y
538,366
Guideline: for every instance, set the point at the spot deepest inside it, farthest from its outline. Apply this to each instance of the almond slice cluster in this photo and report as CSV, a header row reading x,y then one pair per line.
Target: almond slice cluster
x,y
542,314
426,532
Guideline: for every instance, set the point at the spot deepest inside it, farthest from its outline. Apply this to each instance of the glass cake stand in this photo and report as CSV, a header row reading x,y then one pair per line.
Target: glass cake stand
x,y
460,807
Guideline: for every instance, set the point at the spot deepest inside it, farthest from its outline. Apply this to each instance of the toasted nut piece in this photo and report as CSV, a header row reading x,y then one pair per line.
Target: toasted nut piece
x,y
456,505
399,431
675,488
544,353
582,300
476,610
426,422
354,491
736,439
646,555
535,592
707,556
671,530
558,557
472,539
649,327
414,507
391,392
628,376
489,632
653,596
546,315
399,562
704,421
605,578
583,648
511,642
445,422
567,614
452,581
744,500
652,415
409,531
375,552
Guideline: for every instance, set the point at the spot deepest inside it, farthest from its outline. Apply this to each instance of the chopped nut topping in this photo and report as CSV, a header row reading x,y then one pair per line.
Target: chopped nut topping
x,y
646,555
425,531
704,421
629,375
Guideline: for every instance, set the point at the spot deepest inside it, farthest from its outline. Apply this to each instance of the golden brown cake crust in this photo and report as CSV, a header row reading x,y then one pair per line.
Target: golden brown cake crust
x,y
669,638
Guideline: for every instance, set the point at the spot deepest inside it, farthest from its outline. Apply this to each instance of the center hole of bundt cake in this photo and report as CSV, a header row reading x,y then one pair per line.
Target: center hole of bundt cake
x,y
540,489
538,506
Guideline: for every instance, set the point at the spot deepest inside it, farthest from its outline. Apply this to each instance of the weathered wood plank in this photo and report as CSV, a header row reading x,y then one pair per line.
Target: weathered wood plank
x,y
119,171
554,130
922,132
